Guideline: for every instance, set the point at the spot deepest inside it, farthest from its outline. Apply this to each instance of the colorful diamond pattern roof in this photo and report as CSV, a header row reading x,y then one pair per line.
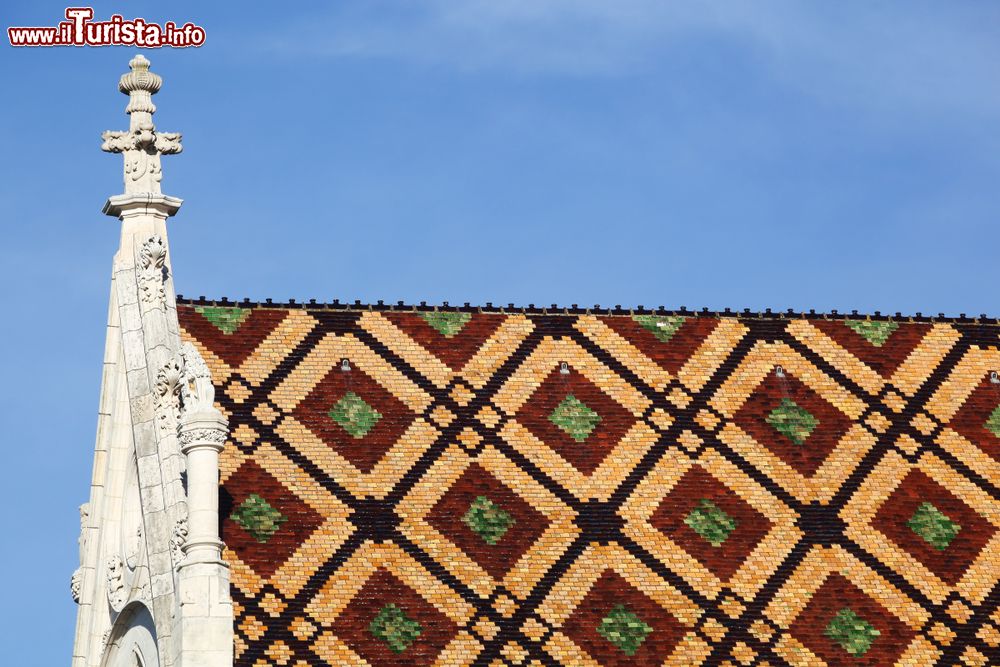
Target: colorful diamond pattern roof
x,y
605,488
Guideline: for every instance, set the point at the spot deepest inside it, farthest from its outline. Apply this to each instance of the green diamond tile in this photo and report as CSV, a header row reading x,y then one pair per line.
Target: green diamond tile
x,y
662,326
226,319
356,416
575,418
488,520
874,332
854,634
931,524
258,518
624,629
395,628
993,423
447,324
792,421
711,522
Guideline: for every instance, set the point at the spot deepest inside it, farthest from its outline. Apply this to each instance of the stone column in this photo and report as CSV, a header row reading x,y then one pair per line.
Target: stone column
x,y
202,436
206,613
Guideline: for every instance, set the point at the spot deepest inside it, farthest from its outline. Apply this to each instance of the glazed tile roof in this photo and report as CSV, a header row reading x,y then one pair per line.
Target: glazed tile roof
x,y
494,486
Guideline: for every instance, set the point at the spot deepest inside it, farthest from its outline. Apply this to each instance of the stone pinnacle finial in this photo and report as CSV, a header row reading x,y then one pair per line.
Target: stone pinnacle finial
x,y
140,85
141,144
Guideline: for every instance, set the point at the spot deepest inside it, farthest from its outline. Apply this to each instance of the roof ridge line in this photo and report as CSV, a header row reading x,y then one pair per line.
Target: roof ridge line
x,y
574,309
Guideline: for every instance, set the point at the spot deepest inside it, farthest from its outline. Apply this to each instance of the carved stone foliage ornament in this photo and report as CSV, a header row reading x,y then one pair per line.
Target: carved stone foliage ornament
x,y
126,551
184,384
197,391
203,435
117,593
168,396
76,584
178,539
153,271
82,540
143,138
76,581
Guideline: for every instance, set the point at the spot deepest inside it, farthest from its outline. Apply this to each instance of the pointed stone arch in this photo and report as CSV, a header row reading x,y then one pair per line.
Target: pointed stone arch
x,y
133,639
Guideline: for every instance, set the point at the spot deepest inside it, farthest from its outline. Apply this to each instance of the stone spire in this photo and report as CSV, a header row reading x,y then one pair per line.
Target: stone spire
x,y
141,144
159,433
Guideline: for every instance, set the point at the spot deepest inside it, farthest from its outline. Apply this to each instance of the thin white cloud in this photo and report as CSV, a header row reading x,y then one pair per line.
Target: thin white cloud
x,y
936,56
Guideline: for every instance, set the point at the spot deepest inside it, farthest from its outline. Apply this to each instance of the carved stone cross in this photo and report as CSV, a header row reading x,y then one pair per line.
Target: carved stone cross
x,y
141,143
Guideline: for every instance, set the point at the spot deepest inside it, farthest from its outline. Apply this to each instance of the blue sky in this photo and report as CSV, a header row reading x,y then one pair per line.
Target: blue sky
x,y
722,154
